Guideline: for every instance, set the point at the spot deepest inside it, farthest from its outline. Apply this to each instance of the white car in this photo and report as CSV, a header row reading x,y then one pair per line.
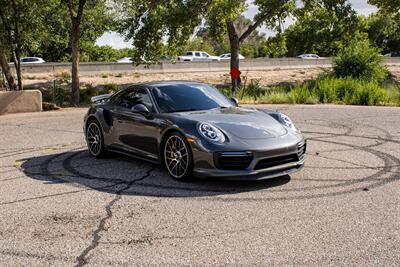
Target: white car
x,y
32,60
227,56
197,56
125,60
308,56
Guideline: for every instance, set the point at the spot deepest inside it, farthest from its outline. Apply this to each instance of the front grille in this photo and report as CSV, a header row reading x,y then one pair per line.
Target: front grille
x,y
301,150
233,160
276,161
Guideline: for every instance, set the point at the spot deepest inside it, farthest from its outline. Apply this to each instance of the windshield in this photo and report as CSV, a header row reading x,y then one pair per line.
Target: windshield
x,y
189,97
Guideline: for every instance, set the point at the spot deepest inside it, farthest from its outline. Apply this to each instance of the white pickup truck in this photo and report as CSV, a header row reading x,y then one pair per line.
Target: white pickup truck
x,y
197,56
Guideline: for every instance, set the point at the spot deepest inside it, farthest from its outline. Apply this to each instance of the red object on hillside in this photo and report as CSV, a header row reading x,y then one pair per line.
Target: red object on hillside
x,y
235,72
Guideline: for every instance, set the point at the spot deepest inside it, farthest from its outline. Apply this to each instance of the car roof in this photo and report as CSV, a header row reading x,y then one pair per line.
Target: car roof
x,y
32,57
164,83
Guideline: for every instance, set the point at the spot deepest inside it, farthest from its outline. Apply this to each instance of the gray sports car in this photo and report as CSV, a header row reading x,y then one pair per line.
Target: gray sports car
x,y
194,130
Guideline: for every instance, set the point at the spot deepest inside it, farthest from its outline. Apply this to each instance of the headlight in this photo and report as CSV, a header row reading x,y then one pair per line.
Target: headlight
x,y
211,133
285,120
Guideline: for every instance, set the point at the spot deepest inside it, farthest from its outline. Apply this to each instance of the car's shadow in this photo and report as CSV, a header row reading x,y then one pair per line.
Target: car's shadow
x,y
124,175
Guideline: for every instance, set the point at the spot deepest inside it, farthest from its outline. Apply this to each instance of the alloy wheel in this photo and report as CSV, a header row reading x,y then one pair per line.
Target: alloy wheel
x,y
176,156
94,139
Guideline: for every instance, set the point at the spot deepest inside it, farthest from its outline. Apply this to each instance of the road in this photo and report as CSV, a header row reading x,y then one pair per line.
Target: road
x,y
59,207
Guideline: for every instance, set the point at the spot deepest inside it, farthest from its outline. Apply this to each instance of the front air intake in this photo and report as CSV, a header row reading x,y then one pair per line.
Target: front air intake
x,y
233,160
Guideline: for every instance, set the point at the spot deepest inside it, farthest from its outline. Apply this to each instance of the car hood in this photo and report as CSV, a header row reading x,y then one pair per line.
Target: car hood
x,y
239,122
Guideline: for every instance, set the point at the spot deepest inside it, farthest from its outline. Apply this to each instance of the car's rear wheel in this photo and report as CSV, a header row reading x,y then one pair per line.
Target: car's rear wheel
x,y
178,159
94,139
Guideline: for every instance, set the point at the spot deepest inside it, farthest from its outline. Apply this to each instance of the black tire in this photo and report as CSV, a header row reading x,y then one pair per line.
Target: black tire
x,y
178,158
95,139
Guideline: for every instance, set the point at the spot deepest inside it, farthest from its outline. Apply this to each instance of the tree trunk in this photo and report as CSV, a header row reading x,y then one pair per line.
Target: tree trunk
x,y
16,44
75,61
235,46
17,63
6,68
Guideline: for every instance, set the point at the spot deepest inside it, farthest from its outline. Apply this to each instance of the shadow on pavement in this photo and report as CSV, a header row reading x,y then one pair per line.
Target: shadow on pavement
x,y
127,176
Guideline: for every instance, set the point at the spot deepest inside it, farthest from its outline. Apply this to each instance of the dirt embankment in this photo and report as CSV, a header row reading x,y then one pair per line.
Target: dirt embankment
x,y
265,78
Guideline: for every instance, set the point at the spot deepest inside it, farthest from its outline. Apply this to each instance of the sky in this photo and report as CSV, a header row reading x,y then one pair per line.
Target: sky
x,y
115,40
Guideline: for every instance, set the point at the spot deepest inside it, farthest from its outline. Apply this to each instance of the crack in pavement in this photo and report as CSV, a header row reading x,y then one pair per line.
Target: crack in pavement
x,y
82,258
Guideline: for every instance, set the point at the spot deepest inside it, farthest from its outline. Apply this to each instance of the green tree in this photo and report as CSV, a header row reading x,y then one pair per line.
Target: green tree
x,y
323,27
384,31
18,19
53,41
158,28
151,24
360,60
274,46
222,15
392,6
6,68
249,48
95,53
77,10
384,26
199,44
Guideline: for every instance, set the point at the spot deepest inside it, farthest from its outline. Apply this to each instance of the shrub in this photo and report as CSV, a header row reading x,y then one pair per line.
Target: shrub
x,y
60,95
369,94
328,89
227,91
393,92
64,77
274,98
349,91
110,88
86,93
360,61
253,90
335,90
302,95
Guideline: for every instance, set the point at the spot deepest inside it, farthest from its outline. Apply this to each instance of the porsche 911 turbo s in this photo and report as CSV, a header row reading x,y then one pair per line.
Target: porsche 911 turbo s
x,y
194,130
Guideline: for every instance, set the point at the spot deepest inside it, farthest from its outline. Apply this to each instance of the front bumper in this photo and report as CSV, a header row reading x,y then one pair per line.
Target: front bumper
x,y
261,174
286,165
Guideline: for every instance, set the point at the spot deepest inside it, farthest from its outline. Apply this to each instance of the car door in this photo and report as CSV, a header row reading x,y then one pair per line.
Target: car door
x,y
197,56
205,56
135,132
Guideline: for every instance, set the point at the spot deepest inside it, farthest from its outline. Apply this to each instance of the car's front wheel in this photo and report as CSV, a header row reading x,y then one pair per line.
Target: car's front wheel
x,y
178,159
94,139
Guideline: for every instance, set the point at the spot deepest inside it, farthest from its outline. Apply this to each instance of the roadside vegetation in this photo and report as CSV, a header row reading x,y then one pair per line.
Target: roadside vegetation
x,y
358,78
324,90
67,30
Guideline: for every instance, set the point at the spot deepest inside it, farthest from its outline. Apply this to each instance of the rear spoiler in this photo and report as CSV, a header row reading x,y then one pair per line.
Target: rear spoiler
x,y
100,98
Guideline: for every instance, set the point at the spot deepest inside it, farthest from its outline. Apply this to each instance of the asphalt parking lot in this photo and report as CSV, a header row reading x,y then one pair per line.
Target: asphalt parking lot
x,y
59,207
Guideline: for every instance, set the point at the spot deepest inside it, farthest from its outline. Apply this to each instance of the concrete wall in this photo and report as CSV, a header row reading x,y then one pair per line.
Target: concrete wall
x,y
20,101
168,67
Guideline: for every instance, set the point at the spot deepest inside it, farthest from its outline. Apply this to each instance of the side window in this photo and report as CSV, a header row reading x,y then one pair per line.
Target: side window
x,y
197,54
204,55
134,96
189,54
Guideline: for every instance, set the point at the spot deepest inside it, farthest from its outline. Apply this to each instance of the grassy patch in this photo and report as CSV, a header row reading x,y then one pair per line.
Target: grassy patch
x,y
326,89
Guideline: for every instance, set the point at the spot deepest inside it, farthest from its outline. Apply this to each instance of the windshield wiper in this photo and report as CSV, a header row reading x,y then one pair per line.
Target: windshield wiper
x,y
184,110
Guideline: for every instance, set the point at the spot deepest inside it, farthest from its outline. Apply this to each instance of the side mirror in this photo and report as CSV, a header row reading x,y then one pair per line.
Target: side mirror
x,y
235,101
141,109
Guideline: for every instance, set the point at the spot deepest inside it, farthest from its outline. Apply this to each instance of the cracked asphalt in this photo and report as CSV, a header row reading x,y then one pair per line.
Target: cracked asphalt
x,y
60,207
